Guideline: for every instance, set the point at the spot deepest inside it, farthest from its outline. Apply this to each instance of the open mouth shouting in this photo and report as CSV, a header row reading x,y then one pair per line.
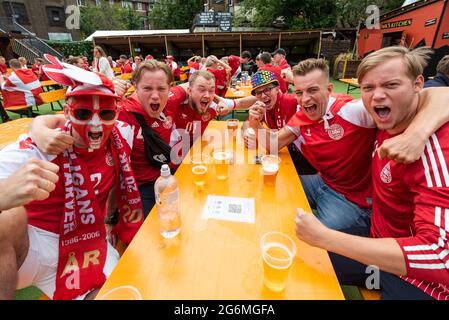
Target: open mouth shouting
x,y
95,136
310,109
382,112
204,104
155,106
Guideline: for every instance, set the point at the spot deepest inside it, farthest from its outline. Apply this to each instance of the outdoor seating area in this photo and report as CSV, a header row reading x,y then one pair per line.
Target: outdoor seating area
x,y
212,157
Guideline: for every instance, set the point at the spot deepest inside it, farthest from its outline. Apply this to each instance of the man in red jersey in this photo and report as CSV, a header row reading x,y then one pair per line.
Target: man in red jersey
x,y
266,60
220,70
279,59
408,240
68,255
336,135
275,109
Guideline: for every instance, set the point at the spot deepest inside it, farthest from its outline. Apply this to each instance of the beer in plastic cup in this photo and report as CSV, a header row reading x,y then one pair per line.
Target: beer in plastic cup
x,y
222,160
270,168
199,168
232,125
278,251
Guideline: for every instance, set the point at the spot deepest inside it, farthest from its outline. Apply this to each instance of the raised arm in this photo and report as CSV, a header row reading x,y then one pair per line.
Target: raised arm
x,y
49,139
433,113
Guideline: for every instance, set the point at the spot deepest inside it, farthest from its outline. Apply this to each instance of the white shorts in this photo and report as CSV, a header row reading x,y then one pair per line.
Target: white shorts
x,y
40,266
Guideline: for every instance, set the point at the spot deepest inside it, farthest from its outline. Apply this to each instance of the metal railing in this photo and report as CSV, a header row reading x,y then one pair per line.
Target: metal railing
x,y
30,41
22,50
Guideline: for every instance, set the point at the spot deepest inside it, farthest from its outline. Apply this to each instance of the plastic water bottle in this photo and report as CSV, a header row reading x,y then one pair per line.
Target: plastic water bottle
x,y
167,203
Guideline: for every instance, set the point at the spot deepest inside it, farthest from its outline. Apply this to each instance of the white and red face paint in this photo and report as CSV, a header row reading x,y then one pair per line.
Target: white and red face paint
x,y
93,132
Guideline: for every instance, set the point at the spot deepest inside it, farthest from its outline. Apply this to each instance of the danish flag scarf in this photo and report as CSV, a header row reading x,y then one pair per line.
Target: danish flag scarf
x,y
82,243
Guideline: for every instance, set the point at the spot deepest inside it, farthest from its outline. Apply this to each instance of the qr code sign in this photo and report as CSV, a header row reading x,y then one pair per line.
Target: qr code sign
x,y
235,208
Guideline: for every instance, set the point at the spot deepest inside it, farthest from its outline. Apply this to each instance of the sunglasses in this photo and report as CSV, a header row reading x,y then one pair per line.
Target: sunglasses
x,y
87,114
264,91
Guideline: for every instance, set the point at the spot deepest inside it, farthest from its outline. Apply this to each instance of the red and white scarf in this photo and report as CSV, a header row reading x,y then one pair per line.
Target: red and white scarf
x,y
82,243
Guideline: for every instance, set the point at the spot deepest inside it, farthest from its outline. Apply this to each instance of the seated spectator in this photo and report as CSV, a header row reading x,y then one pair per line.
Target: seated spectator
x,y
442,77
248,63
137,62
23,62
265,60
76,61
194,64
221,71
3,66
174,67
112,63
21,88
126,66
279,59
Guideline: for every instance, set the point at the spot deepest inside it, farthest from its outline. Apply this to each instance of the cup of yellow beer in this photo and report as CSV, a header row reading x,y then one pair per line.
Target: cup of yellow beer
x,y
199,168
232,125
278,251
222,159
270,168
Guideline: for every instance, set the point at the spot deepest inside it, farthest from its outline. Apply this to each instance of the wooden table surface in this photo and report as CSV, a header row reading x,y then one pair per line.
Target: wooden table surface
x,y
214,259
238,93
10,131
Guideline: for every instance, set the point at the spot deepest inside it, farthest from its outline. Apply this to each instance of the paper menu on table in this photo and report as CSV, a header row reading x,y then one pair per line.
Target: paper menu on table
x,y
230,209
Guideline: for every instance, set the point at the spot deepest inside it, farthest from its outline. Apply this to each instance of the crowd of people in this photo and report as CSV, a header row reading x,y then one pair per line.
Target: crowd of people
x,y
374,170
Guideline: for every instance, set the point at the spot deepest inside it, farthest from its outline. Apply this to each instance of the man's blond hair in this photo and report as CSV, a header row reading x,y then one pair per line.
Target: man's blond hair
x,y
414,60
200,73
152,66
309,65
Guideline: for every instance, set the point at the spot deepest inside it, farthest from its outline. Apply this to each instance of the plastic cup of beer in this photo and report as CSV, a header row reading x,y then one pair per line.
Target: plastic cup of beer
x,y
222,159
199,168
278,251
232,125
270,168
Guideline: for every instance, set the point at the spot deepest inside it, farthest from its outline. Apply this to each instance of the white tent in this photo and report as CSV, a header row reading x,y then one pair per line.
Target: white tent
x,y
125,33
407,2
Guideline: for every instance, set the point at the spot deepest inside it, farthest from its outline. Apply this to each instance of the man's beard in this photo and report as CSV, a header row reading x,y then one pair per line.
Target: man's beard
x,y
195,107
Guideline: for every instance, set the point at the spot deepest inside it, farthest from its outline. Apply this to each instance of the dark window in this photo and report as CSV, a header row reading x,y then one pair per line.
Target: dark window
x,y
16,10
392,39
218,1
56,16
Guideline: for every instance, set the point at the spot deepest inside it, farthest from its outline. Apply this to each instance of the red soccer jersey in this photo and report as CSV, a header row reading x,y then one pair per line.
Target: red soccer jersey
x,y
341,150
277,72
47,214
286,106
234,63
220,81
144,172
3,68
127,68
411,204
284,64
186,117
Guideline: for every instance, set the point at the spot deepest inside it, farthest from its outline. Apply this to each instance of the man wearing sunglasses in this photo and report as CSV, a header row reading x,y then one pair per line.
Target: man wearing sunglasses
x,y
68,255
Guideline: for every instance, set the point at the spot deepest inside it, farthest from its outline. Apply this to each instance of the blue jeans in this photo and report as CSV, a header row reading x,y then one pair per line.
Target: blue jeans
x,y
332,208
354,273
147,196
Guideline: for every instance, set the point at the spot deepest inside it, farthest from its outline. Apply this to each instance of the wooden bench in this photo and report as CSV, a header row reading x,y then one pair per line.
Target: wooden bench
x,y
53,96
352,83
21,110
126,76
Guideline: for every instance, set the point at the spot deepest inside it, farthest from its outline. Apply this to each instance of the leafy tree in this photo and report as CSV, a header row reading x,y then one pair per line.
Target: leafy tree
x,y
174,14
107,17
307,14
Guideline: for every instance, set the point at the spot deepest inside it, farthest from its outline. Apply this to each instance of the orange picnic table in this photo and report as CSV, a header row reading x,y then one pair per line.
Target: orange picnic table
x,y
242,92
10,131
216,259
352,83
